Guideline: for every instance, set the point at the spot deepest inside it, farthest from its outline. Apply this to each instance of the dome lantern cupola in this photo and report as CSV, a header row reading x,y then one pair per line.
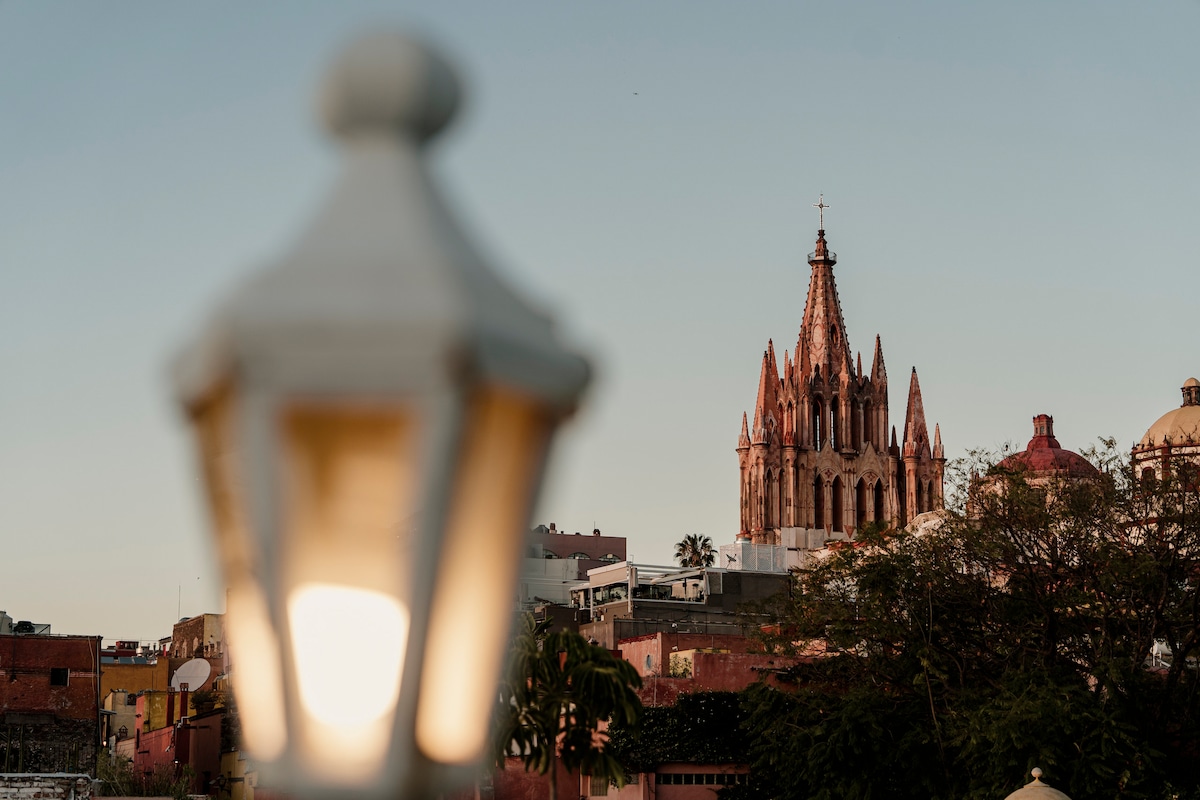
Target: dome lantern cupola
x,y
1191,392
1044,457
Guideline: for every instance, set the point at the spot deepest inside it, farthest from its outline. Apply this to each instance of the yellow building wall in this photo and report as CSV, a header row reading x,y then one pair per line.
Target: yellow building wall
x,y
134,678
240,777
154,710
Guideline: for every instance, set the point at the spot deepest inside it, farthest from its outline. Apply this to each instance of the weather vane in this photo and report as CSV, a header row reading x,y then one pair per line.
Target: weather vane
x,y
821,205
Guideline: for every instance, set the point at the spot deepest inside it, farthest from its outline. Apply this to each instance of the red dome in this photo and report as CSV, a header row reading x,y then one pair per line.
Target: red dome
x,y
1045,456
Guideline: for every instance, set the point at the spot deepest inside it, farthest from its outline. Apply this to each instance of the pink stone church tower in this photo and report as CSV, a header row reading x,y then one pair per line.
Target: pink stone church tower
x,y
817,464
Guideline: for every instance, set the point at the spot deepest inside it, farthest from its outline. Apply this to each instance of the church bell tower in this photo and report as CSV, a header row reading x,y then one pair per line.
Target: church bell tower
x,y
816,463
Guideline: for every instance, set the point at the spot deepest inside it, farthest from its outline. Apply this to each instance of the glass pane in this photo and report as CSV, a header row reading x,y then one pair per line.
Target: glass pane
x,y
347,499
252,641
504,442
215,422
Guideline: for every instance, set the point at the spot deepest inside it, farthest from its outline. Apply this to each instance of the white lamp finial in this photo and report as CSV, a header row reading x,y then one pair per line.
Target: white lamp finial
x,y
388,83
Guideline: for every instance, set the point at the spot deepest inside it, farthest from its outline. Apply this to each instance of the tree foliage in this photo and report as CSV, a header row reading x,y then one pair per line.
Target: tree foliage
x,y
696,729
695,550
1044,623
559,690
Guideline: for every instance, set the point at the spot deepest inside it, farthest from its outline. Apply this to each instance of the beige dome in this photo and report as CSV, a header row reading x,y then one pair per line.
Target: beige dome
x,y
1036,790
1179,426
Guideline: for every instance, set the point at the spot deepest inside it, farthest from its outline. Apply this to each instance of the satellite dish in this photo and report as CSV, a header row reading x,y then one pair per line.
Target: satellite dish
x,y
194,673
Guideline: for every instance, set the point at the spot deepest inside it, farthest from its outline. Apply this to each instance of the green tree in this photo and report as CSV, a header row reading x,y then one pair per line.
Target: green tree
x,y
695,730
695,550
1024,631
559,690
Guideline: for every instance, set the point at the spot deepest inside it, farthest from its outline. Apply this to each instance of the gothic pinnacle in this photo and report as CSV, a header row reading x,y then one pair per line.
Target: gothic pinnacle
x,y
878,370
916,434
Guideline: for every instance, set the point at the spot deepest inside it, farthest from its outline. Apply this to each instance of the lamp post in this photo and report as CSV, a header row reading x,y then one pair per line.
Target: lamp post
x,y
372,413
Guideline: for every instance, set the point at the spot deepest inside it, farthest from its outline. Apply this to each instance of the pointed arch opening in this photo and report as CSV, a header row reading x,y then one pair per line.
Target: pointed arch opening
x,y
869,423
861,504
818,423
879,502
818,502
835,423
902,497
773,499
839,522
856,425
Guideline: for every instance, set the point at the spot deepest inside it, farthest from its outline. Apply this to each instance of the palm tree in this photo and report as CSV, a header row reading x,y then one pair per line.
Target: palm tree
x,y
558,691
696,550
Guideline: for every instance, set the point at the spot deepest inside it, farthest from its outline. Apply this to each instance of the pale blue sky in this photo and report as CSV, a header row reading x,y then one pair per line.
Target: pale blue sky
x,y
1014,189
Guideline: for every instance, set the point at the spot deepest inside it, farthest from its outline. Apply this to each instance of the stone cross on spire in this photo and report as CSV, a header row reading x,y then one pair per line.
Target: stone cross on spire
x,y
821,205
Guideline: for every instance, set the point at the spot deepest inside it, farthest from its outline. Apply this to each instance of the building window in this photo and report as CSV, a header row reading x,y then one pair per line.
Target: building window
x,y
701,779
58,676
599,787
579,556
131,699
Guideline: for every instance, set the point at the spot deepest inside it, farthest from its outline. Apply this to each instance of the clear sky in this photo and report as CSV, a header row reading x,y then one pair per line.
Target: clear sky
x,y
1014,191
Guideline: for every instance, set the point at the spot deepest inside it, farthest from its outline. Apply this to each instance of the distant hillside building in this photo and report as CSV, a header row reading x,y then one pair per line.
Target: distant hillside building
x,y
625,600
555,561
816,463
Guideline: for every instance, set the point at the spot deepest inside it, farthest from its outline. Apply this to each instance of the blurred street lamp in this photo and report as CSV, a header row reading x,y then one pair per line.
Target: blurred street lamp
x,y
372,414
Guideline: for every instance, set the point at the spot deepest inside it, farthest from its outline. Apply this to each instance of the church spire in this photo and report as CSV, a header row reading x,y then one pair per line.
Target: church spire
x,y
823,326
744,439
938,451
768,396
878,370
916,433
803,359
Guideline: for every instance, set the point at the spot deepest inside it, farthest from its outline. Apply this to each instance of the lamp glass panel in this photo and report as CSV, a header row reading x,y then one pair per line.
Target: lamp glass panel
x,y
253,644
348,490
501,456
254,652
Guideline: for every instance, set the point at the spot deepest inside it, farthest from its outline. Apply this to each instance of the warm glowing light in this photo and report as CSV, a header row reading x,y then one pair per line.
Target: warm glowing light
x,y
472,609
255,653
315,610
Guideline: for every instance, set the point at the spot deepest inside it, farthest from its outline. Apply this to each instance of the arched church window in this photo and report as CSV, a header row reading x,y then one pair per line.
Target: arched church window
x,y
838,521
879,501
768,521
856,425
835,426
869,424
774,500
818,502
860,504
818,423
